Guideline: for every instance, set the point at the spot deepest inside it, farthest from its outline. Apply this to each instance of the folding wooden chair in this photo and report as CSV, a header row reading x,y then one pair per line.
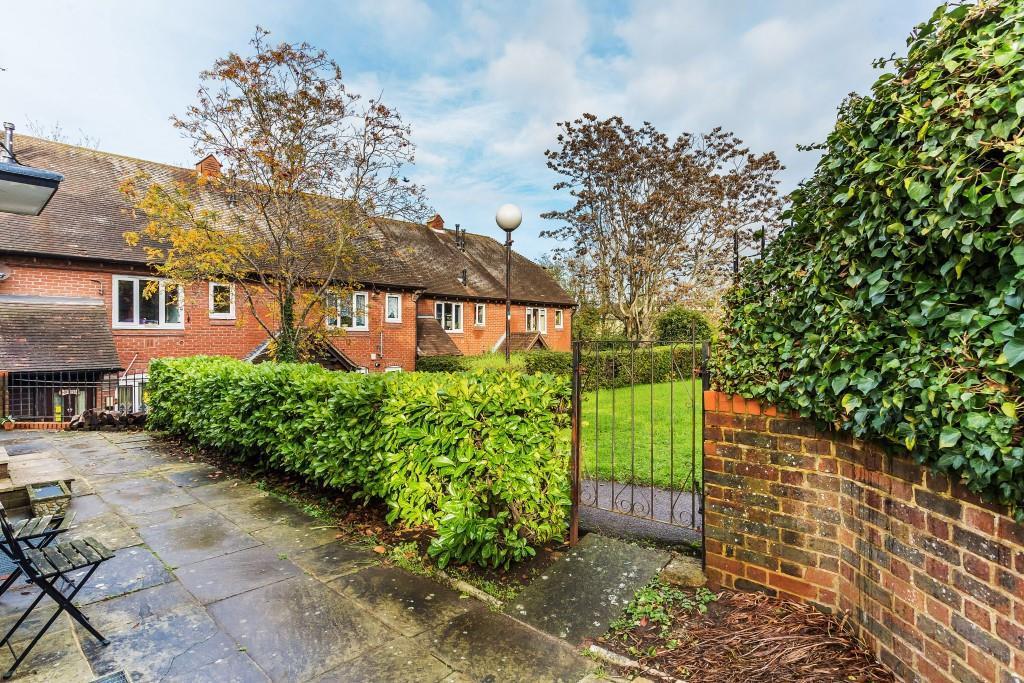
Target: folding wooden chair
x,y
37,532
43,566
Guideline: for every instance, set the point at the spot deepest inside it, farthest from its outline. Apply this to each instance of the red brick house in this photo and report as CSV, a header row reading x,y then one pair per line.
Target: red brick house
x,y
430,290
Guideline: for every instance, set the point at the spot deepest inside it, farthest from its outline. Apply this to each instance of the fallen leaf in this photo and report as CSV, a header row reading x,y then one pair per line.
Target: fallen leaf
x,y
379,549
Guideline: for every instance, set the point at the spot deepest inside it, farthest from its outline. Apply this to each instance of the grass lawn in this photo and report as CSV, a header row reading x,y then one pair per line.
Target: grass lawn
x,y
677,435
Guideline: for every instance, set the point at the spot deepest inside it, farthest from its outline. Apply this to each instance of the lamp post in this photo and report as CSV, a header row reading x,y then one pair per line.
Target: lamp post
x,y
23,190
508,219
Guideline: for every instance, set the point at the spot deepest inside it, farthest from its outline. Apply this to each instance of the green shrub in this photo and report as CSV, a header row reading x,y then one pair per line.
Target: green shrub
x,y
482,457
679,324
892,306
611,365
442,364
551,362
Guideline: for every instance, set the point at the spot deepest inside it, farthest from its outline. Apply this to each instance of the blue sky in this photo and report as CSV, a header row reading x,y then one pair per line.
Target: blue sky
x,y
482,84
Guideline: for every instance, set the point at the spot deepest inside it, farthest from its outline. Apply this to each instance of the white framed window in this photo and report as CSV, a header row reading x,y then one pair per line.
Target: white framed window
x,y
449,314
349,313
131,393
536,319
393,308
480,315
393,368
138,304
222,301
361,371
559,320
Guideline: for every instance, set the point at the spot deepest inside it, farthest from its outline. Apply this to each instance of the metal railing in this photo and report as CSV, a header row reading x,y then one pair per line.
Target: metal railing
x,y
637,428
60,396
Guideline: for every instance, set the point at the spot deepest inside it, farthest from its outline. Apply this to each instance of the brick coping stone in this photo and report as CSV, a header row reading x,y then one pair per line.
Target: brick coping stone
x,y
930,575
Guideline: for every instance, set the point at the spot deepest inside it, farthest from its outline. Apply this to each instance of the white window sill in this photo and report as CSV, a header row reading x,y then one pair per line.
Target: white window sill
x,y
393,322
222,316
132,326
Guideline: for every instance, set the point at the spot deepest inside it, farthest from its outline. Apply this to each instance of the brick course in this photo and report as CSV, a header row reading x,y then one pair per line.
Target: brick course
x,y
385,345
930,576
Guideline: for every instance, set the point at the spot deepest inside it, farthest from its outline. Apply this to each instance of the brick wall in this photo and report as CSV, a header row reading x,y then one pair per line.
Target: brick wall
x,y
203,334
931,576
476,339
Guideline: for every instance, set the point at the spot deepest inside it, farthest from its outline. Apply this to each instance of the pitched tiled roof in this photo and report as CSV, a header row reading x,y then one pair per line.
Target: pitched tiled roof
x,y
432,340
87,219
44,333
524,341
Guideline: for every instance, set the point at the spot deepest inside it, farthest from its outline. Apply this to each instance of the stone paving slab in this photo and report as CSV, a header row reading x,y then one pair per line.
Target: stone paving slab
x,y
331,560
581,593
173,643
224,492
299,628
143,494
289,538
57,657
227,575
411,604
196,474
399,661
271,594
195,533
487,646
253,514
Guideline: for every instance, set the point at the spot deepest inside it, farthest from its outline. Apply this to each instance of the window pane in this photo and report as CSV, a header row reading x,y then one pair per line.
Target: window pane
x,y
332,310
457,316
221,299
125,301
439,311
172,301
394,307
149,305
543,320
359,304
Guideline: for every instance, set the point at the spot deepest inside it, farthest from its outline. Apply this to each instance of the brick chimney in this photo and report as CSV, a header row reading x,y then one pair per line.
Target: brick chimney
x,y
209,166
436,223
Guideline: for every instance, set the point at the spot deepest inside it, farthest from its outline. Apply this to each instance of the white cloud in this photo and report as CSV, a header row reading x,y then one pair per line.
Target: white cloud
x,y
482,84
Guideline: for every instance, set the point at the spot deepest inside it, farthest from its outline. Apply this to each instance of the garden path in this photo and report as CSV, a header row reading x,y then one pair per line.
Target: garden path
x,y
214,580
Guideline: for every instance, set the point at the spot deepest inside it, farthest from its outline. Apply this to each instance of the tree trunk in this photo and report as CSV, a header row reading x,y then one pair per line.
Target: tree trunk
x,y
287,348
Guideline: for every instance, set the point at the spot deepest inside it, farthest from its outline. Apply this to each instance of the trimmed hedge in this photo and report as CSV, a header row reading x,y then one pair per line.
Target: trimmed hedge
x,y
619,367
893,305
551,362
482,457
442,364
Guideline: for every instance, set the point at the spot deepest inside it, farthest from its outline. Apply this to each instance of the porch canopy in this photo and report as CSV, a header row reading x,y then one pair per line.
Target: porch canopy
x,y
46,334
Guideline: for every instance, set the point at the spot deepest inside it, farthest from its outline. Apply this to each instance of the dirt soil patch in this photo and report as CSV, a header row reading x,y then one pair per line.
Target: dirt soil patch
x,y
748,637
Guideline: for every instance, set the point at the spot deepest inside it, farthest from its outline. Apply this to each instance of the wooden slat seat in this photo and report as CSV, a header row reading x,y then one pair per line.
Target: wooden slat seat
x,y
41,526
67,557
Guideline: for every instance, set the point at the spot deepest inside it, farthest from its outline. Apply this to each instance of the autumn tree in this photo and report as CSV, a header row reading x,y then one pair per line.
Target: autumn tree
x,y
307,165
654,216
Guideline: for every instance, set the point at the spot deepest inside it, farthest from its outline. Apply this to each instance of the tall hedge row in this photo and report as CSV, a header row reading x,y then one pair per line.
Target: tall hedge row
x,y
893,306
482,458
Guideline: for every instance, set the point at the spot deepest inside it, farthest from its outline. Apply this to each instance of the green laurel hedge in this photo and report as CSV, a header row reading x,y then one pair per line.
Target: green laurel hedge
x,y
892,305
480,457
442,364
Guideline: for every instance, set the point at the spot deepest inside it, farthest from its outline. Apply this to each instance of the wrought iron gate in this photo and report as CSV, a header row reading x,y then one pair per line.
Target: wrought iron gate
x,y
637,436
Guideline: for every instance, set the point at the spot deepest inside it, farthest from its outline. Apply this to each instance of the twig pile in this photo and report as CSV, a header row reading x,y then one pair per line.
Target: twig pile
x,y
747,637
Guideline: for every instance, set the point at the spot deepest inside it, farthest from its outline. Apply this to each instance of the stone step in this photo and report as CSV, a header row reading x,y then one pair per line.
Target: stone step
x,y
684,571
5,460
579,595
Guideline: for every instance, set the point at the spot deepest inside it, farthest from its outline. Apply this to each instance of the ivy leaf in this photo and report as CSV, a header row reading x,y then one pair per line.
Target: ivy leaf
x,y
948,437
917,190
1014,352
1009,409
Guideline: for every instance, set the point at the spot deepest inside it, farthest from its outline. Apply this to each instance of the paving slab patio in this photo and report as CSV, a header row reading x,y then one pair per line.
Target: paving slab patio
x,y
214,580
